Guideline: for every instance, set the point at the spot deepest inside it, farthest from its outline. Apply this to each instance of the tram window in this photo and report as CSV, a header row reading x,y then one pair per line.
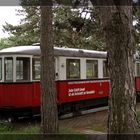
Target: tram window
x,y
91,68
8,69
36,68
0,68
73,68
22,68
138,69
105,69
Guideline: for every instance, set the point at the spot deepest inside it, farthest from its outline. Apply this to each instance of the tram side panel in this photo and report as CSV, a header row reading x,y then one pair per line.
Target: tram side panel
x,y
137,84
4,97
36,97
16,95
137,88
72,91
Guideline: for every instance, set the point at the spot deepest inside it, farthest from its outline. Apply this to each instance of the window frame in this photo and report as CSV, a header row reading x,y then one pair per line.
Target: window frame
x,y
27,73
68,61
36,58
91,62
107,71
10,58
136,72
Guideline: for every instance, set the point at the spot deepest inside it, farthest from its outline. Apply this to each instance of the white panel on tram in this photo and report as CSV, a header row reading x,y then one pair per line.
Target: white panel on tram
x,y
62,68
100,68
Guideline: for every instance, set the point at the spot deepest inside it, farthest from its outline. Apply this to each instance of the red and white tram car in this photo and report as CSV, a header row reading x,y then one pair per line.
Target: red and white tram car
x,y
81,80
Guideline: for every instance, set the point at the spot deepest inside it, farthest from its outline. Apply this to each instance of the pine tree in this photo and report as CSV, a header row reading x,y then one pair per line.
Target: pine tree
x,y
71,27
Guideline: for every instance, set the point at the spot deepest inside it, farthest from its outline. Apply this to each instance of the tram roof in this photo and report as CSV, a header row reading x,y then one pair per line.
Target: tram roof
x,y
69,52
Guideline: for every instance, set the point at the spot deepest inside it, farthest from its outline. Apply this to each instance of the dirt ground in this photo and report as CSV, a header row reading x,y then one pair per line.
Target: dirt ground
x,y
87,123
138,107
90,123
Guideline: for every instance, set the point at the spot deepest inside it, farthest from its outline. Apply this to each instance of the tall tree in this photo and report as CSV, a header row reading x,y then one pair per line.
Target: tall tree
x,y
49,114
72,27
117,24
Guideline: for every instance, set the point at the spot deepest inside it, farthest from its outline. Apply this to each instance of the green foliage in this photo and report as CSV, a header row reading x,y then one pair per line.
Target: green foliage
x,y
73,3
5,128
5,42
138,118
10,131
10,128
29,130
71,26
26,33
13,128
29,2
73,29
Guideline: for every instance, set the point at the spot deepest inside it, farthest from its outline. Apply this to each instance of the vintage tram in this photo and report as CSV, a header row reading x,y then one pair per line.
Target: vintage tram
x,y
82,80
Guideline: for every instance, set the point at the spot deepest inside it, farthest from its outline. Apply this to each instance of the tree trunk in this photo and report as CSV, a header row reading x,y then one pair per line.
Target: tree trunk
x,y
117,26
49,114
118,34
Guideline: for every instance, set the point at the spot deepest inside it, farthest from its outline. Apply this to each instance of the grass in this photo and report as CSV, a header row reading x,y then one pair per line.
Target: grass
x,y
7,128
9,131
138,118
29,130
